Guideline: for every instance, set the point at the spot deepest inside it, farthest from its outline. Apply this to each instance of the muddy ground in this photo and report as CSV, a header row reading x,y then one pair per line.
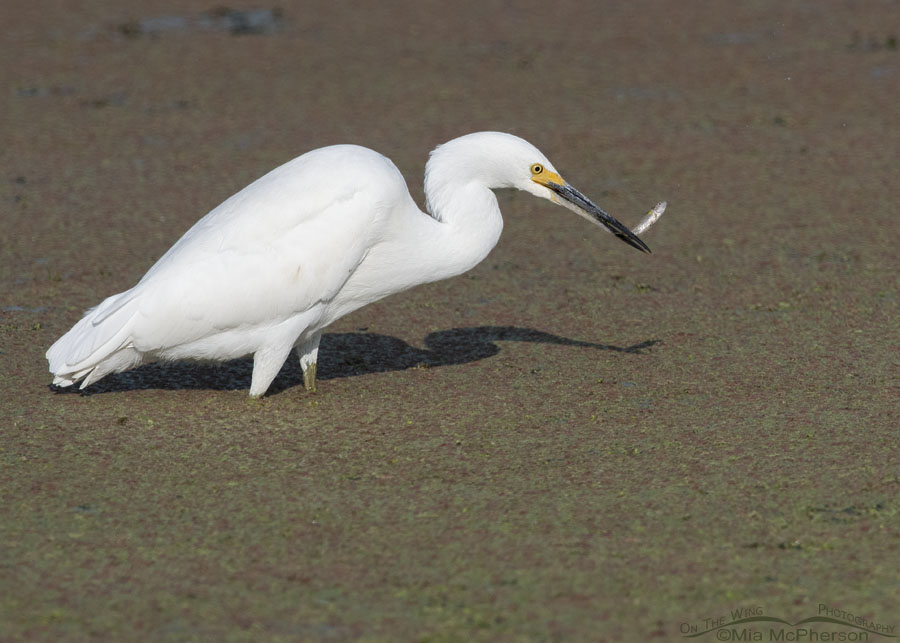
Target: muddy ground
x,y
572,442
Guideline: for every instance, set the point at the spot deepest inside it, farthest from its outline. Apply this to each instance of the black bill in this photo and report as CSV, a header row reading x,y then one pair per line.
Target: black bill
x,y
592,212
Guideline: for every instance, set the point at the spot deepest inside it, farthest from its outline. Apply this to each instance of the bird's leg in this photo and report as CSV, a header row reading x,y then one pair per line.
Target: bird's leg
x,y
309,377
309,355
266,364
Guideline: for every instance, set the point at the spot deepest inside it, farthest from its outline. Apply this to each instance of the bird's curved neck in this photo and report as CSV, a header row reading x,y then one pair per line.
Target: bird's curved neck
x,y
463,226
468,226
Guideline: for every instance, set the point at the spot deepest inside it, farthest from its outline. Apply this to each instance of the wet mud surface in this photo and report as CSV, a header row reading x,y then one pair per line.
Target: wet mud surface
x,y
575,440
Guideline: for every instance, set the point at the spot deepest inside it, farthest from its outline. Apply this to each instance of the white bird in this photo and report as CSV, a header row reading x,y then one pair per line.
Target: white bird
x,y
309,242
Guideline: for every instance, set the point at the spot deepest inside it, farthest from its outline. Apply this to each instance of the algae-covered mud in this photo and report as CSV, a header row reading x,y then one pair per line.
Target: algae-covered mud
x,y
574,441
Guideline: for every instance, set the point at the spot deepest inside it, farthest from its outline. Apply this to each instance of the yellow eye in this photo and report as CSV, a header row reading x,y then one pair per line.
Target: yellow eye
x,y
537,168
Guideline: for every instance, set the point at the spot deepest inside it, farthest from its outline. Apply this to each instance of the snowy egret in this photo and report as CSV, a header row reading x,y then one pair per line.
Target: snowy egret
x,y
309,242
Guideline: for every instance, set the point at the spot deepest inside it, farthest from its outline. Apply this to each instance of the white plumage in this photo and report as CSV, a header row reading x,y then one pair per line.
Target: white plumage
x,y
309,242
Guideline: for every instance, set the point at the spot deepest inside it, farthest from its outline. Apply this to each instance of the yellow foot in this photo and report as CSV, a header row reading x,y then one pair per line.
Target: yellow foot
x,y
309,377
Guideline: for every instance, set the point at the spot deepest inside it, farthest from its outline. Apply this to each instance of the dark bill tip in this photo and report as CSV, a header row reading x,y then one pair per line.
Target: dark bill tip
x,y
591,211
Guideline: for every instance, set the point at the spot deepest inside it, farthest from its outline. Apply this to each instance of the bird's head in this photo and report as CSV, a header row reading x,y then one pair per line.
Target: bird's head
x,y
506,161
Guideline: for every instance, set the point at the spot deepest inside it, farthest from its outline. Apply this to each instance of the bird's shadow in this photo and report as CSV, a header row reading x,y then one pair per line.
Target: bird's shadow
x,y
341,355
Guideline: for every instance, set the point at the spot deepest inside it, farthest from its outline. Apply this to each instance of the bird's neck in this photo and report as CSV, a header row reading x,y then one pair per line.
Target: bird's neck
x,y
469,226
459,197
462,229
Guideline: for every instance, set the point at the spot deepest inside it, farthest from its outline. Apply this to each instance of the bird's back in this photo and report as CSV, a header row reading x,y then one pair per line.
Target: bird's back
x,y
295,194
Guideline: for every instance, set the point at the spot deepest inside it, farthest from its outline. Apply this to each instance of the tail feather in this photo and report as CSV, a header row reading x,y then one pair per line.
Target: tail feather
x,y
99,344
